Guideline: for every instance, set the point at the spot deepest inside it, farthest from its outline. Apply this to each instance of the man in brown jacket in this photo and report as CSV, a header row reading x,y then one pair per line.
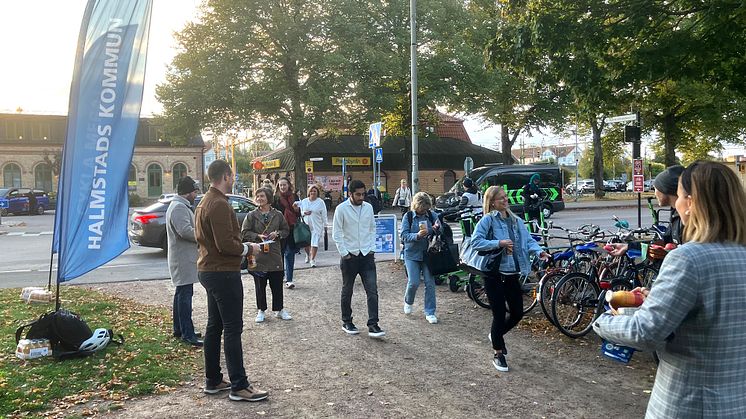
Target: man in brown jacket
x,y
219,269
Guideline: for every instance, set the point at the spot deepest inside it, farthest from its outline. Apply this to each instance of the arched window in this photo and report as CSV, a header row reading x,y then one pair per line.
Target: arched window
x,y
43,177
449,179
132,178
179,171
155,180
12,176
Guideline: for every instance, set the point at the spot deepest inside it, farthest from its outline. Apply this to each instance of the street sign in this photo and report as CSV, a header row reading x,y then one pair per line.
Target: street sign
x,y
309,167
637,168
638,183
379,155
621,118
468,165
374,135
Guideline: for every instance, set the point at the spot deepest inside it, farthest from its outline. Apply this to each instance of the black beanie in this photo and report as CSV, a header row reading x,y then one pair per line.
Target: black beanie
x,y
186,185
667,181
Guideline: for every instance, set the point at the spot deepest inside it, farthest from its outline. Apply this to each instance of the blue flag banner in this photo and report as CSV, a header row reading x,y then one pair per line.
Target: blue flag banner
x,y
106,94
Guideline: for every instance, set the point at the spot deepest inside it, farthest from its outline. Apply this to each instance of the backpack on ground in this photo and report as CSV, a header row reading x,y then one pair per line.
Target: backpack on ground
x,y
65,330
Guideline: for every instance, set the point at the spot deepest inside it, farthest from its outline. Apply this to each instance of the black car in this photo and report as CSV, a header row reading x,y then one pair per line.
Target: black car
x,y
513,178
148,225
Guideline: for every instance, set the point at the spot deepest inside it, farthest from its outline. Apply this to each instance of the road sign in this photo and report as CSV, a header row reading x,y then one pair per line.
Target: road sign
x,y
621,118
379,155
468,165
309,167
638,183
374,135
637,168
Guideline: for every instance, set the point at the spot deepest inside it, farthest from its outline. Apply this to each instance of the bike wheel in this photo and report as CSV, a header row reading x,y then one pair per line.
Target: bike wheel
x,y
453,283
529,288
475,290
546,288
646,275
574,304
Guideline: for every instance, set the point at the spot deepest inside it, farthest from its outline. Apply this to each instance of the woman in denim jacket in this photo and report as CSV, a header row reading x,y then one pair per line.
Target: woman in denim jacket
x,y
415,239
510,235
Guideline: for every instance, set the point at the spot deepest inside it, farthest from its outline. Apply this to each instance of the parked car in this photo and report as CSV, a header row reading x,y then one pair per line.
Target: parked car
x,y
514,177
615,185
148,225
584,186
16,200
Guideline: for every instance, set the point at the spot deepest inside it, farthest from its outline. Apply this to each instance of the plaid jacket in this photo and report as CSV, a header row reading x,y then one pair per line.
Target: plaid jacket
x,y
695,317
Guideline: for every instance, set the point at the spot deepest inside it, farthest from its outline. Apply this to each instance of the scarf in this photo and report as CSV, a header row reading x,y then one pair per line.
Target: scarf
x,y
287,208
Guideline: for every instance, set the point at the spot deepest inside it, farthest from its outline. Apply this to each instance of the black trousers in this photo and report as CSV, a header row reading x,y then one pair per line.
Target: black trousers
x,y
500,290
365,266
275,284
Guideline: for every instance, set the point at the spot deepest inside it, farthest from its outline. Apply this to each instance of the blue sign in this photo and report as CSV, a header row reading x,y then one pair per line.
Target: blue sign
x,y
374,135
386,237
379,155
90,226
4,203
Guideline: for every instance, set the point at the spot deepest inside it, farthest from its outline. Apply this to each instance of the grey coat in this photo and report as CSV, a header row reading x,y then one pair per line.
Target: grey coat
x,y
694,317
182,245
254,225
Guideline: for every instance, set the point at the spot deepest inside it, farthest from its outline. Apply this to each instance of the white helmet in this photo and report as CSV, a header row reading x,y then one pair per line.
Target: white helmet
x,y
97,341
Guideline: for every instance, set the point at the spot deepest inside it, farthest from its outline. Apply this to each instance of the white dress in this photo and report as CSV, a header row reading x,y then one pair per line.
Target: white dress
x,y
316,220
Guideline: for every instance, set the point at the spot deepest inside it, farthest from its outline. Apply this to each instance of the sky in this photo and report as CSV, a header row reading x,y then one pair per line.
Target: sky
x,y
37,45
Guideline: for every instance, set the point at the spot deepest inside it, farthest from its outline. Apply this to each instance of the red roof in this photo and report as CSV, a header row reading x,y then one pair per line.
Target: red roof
x,y
451,127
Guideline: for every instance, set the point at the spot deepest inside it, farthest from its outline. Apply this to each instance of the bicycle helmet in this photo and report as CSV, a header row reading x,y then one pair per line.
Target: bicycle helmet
x,y
98,341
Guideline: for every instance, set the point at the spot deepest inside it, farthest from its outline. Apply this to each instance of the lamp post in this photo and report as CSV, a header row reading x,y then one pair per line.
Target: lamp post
x,y
413,93
575,154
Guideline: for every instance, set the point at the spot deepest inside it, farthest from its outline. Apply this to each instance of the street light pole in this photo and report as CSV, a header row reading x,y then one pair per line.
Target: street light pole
x,y
575,154
413,93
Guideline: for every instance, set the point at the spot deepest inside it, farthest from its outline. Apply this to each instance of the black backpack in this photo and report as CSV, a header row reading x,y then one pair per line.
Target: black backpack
x,y
374,202
64,329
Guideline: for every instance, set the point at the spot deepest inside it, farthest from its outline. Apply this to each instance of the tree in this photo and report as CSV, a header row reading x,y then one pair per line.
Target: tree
x,y
489,86
250,63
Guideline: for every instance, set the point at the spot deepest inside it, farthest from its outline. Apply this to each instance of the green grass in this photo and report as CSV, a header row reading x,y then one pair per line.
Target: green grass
x,y
150,361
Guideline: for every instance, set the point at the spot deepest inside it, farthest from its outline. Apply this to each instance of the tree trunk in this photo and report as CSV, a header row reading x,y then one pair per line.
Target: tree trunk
x,y
300,153
598,160
506,145
670,139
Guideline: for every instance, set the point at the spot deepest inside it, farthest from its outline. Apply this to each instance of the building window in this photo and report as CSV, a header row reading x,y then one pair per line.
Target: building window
x,y
132,178
12,176
155,180
43,177
179,171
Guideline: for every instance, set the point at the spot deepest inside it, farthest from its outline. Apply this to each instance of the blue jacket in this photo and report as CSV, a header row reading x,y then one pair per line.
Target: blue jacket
x,y
523,245
415,247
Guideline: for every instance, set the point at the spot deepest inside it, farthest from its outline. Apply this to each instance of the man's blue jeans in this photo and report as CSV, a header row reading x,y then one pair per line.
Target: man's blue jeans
x,y
182,308
414,268
224,316
365,266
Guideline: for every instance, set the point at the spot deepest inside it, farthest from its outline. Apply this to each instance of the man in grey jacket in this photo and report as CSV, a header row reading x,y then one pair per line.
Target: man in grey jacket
x,y
182,258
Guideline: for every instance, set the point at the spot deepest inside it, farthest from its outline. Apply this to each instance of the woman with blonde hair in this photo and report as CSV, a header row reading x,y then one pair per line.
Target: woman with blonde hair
x,y
417,225
693,315
314,214
500,230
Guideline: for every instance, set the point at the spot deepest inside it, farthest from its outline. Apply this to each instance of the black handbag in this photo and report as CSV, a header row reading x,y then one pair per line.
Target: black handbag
x,y
441,256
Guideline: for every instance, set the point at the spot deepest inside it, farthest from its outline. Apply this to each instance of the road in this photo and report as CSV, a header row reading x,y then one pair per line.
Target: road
x,y
25,243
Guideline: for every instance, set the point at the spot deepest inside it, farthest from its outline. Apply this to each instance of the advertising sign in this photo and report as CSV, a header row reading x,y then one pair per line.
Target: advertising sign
x,y
386,237
271,164
351,161
330,183
638,183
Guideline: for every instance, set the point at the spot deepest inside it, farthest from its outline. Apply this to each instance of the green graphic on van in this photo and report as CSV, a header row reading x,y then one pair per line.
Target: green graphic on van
x,y
515,196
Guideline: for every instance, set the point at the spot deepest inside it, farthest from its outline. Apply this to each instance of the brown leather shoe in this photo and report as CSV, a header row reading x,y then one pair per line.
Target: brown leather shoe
x,y
249,394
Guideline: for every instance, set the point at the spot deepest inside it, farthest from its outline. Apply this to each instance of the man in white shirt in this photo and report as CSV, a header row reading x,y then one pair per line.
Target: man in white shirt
x,y
355,235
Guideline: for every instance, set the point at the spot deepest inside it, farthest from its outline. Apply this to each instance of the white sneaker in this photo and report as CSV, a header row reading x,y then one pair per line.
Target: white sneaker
x,y
284,315
307,259
431,319
407,308
259,316
313,263
289,285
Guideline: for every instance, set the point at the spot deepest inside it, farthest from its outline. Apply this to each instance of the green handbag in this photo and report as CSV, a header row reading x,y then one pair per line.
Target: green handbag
x,y
301,234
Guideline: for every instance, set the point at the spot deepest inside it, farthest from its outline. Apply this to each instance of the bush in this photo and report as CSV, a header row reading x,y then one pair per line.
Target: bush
x,y
135,200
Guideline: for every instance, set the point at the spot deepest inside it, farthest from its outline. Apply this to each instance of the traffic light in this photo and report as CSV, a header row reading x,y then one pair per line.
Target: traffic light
x,y
631,134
